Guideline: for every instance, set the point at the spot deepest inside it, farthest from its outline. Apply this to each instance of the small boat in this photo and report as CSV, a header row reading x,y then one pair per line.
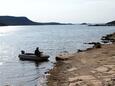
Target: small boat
x,y
33,57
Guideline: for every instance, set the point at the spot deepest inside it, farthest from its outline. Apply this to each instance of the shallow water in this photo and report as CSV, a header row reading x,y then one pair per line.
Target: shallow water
x,y
52,40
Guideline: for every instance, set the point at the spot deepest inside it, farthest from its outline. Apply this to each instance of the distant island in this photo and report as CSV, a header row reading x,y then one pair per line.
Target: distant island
x,y
13,21
112,23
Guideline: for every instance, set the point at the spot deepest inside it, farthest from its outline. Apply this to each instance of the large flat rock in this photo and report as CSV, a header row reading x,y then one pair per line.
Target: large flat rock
x,y
63,57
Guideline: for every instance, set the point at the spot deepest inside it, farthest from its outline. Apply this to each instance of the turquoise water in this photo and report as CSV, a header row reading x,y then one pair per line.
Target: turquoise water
x,y
52,40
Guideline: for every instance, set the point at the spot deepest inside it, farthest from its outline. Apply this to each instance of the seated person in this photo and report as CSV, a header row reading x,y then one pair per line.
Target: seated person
x,y
37,52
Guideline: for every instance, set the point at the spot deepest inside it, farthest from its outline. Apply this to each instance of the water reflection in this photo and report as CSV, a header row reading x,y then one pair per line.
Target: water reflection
x,y
38,63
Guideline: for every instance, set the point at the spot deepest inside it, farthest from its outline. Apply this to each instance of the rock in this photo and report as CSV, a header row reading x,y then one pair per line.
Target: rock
x,y
108,38
102,69
110,66
111,82
85,77
63,57
79,50
59,58
78,83
96,44
72,69
73,84
93,71
96,83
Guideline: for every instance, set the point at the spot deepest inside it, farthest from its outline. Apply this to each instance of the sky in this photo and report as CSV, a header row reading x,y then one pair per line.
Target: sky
x,y
72,11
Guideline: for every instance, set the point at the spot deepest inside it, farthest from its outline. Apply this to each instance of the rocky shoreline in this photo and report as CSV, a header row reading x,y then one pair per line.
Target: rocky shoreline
x,y
91,67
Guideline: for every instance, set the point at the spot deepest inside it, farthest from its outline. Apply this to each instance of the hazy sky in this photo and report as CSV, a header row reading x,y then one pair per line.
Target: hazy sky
x,y
74,11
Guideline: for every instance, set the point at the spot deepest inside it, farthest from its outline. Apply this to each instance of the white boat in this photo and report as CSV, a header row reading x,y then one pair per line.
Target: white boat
x,y
33,57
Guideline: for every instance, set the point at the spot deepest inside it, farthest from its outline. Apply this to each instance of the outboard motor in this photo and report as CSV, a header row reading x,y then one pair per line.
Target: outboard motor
x,y
22,52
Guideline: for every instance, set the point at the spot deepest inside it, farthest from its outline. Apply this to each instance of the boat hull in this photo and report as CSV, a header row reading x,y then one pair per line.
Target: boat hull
x,y
33,57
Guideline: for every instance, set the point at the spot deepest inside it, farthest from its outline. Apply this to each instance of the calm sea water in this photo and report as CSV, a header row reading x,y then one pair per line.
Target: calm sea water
x,y
52,40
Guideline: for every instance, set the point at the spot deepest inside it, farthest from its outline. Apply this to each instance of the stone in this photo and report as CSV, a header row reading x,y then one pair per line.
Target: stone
x,y
93,71
63,57
102,69
96,83
109,66
85,77
72,69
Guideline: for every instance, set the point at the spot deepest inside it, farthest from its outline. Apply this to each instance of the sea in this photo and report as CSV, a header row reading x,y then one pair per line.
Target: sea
x,y
51,39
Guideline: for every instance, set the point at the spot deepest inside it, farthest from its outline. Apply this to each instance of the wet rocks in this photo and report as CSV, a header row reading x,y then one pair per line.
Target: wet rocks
x,y
108,38
95,44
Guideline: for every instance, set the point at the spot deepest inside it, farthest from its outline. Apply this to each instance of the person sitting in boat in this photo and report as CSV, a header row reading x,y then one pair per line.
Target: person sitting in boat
x,y
37,52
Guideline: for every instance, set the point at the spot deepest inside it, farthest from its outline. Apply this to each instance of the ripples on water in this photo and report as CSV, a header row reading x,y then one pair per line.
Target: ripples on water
x,y
51,39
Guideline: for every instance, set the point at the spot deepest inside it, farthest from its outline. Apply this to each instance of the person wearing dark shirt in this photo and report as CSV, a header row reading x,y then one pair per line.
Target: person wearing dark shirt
x,y
37,52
